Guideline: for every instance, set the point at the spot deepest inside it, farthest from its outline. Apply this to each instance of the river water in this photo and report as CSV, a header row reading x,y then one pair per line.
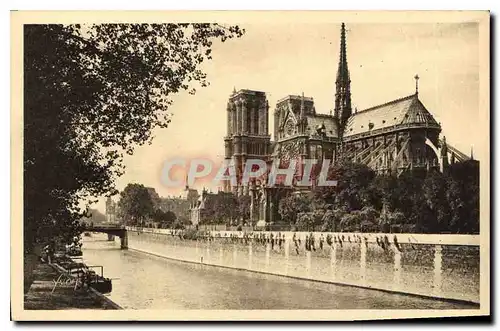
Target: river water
x,y
143,281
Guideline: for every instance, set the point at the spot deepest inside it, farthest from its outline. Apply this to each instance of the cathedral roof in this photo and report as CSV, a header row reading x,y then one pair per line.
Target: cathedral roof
x,y
407,111
317,121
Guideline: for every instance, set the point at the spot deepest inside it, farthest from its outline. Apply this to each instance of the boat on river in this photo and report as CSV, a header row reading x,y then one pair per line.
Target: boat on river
x,y
87,274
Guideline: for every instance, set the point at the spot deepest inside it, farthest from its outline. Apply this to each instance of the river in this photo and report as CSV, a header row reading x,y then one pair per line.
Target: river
x,y
143,281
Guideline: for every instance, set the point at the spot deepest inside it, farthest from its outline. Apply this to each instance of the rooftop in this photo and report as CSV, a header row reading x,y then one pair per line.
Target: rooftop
x,y
403,111
294,97
247,92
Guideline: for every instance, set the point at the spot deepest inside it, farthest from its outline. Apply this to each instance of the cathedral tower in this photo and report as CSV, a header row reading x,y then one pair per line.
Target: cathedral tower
x,y
247,132
343,85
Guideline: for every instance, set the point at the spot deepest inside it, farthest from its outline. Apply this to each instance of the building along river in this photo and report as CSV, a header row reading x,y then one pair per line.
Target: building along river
x,y
143,281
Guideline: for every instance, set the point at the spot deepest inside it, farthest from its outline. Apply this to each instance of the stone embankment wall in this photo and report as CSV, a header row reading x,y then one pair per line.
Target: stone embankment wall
x,y
444,266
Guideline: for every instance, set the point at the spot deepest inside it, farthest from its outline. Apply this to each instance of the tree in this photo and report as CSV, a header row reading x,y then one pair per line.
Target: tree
x,y
435,194
244,202
383,190
293,204
135,204
177,224
351,222
155,197
225,207
183,219
305,221
390,220
220,208
165,219
331,219
464,196
352,189
409,195
170,217
369,218
458,208
91,94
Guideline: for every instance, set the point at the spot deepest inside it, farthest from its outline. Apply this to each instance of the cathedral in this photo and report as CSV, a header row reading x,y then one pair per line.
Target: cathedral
x,y
399,135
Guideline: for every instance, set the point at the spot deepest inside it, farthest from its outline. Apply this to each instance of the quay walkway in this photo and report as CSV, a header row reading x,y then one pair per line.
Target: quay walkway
x,y
42,295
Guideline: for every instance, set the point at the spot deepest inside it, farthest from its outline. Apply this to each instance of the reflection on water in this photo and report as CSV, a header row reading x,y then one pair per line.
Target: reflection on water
x,y
142,281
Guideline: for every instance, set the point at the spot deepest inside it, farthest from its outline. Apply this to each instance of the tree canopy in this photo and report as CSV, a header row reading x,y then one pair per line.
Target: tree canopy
x,y
292,205
165,219
135,204
91,94
424,202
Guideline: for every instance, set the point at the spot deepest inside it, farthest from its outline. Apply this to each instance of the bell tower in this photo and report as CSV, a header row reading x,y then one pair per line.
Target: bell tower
x,y
247,132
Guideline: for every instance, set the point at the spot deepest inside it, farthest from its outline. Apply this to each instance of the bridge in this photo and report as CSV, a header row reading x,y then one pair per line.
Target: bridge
x,y
111,229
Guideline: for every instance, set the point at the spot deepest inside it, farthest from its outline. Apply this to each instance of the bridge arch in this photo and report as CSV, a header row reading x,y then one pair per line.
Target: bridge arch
x,y
117,230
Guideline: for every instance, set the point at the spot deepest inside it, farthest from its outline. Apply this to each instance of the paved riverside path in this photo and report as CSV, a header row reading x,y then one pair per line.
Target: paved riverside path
x,y
39,296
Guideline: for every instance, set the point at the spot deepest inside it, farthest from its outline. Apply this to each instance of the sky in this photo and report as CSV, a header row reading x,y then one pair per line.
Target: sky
x,y
283,59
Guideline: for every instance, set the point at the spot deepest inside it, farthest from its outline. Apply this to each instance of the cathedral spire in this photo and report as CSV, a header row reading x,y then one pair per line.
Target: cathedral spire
x,y
343,84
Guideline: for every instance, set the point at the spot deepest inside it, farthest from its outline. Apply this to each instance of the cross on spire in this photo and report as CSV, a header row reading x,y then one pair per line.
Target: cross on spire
x,y
416,83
